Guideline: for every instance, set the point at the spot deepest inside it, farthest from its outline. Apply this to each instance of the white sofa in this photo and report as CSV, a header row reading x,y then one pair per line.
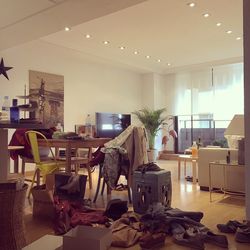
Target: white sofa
x,y
235,176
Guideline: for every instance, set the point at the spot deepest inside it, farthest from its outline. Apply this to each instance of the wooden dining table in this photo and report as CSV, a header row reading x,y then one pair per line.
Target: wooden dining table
x,y
69,144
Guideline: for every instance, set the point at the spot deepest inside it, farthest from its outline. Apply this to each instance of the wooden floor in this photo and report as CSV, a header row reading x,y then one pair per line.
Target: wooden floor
x,y
186,196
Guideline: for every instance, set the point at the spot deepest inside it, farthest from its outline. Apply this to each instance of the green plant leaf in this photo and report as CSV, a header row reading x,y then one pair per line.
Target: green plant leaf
x,y
151,119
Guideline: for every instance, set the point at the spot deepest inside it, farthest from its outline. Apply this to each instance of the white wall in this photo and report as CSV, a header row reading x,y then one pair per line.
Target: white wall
x,y
89,86
148,90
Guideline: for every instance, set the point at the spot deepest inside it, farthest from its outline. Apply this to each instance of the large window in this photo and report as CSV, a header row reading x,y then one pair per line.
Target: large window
x,y
206,101
200,128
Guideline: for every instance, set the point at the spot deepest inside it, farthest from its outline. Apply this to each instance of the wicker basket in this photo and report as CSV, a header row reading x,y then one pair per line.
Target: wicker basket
x,y
12,234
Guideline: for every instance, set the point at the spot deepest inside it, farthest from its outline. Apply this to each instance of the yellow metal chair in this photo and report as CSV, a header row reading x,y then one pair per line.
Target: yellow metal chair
x,y
42,167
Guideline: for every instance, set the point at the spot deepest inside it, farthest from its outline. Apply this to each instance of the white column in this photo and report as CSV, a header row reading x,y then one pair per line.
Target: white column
x,y
4,155
246,8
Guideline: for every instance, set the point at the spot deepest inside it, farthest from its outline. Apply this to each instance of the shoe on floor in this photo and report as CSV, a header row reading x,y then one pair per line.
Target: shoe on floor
x,y
228,228
231,226
243,235
152,241
216,239
193,242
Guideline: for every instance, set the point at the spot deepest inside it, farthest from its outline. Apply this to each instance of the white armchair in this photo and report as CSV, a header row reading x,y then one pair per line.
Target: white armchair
x,y
235,180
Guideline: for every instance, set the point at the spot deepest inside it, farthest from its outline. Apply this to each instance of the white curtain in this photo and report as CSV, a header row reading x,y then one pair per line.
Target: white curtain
x,y
228,91
218,91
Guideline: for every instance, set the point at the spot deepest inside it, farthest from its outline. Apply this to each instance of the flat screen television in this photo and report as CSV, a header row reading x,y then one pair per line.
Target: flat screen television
x,y
111,124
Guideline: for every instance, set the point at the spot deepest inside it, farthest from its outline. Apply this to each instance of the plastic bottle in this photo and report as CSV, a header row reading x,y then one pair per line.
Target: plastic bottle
x,y
228,158
59,127
6,108
194,149
14,112
88,127
199,144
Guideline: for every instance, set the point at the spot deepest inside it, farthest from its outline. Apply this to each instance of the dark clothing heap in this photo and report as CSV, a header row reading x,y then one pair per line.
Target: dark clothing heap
x,y
151,166
116,208
185,227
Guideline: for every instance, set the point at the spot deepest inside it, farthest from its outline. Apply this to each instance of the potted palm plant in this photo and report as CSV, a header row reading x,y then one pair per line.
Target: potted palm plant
x,y
152,120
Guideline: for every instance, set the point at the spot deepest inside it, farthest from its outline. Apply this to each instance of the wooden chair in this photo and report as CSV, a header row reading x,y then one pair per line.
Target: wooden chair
x,y
100,177
78,161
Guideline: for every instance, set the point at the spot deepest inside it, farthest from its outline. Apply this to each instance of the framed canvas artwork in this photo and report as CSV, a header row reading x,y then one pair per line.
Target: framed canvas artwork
x,y
46,91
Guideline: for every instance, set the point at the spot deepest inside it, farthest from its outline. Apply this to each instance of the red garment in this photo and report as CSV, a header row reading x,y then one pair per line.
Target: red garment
x,y
18,139
98,157
88,218
69,214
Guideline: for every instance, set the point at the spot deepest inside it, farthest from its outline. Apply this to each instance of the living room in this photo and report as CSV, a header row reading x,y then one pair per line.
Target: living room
x,y
106,78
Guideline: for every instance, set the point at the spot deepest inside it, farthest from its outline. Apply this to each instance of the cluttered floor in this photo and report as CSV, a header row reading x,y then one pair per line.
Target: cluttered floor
x,y
185,196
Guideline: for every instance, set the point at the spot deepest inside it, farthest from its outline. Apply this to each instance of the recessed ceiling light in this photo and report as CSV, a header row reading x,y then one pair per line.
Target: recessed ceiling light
x,y
238,38
159,60
191,5
87,36
229,32
218,24
67,28
136,52
206,15
122,47
169,64
106,42
147,57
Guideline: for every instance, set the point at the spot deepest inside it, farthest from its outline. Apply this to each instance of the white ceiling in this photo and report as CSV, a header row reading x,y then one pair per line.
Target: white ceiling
x,y
168,30
25,20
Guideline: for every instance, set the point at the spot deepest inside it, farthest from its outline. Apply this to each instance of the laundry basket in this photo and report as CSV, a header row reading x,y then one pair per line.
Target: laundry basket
x,y
12,235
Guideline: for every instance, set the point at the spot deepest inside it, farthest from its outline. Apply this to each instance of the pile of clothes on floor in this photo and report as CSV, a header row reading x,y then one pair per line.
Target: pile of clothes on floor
x,y
149,230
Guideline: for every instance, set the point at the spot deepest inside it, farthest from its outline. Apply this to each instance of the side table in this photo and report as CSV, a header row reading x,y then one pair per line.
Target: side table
x,y
188,158
233,166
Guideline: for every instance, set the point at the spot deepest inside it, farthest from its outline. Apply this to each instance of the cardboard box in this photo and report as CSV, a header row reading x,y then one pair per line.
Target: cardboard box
x,y
86,237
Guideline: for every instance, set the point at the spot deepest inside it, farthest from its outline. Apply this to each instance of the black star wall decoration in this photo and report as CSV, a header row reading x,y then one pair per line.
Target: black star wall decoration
x,y
3,69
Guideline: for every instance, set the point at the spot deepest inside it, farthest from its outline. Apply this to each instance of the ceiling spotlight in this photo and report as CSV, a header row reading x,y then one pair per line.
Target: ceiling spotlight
x,y
218,24
147,57
67,28
191,5
159,60
136,52
106,42
169,64
88,36
206,15
238,38
122,47
229,32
